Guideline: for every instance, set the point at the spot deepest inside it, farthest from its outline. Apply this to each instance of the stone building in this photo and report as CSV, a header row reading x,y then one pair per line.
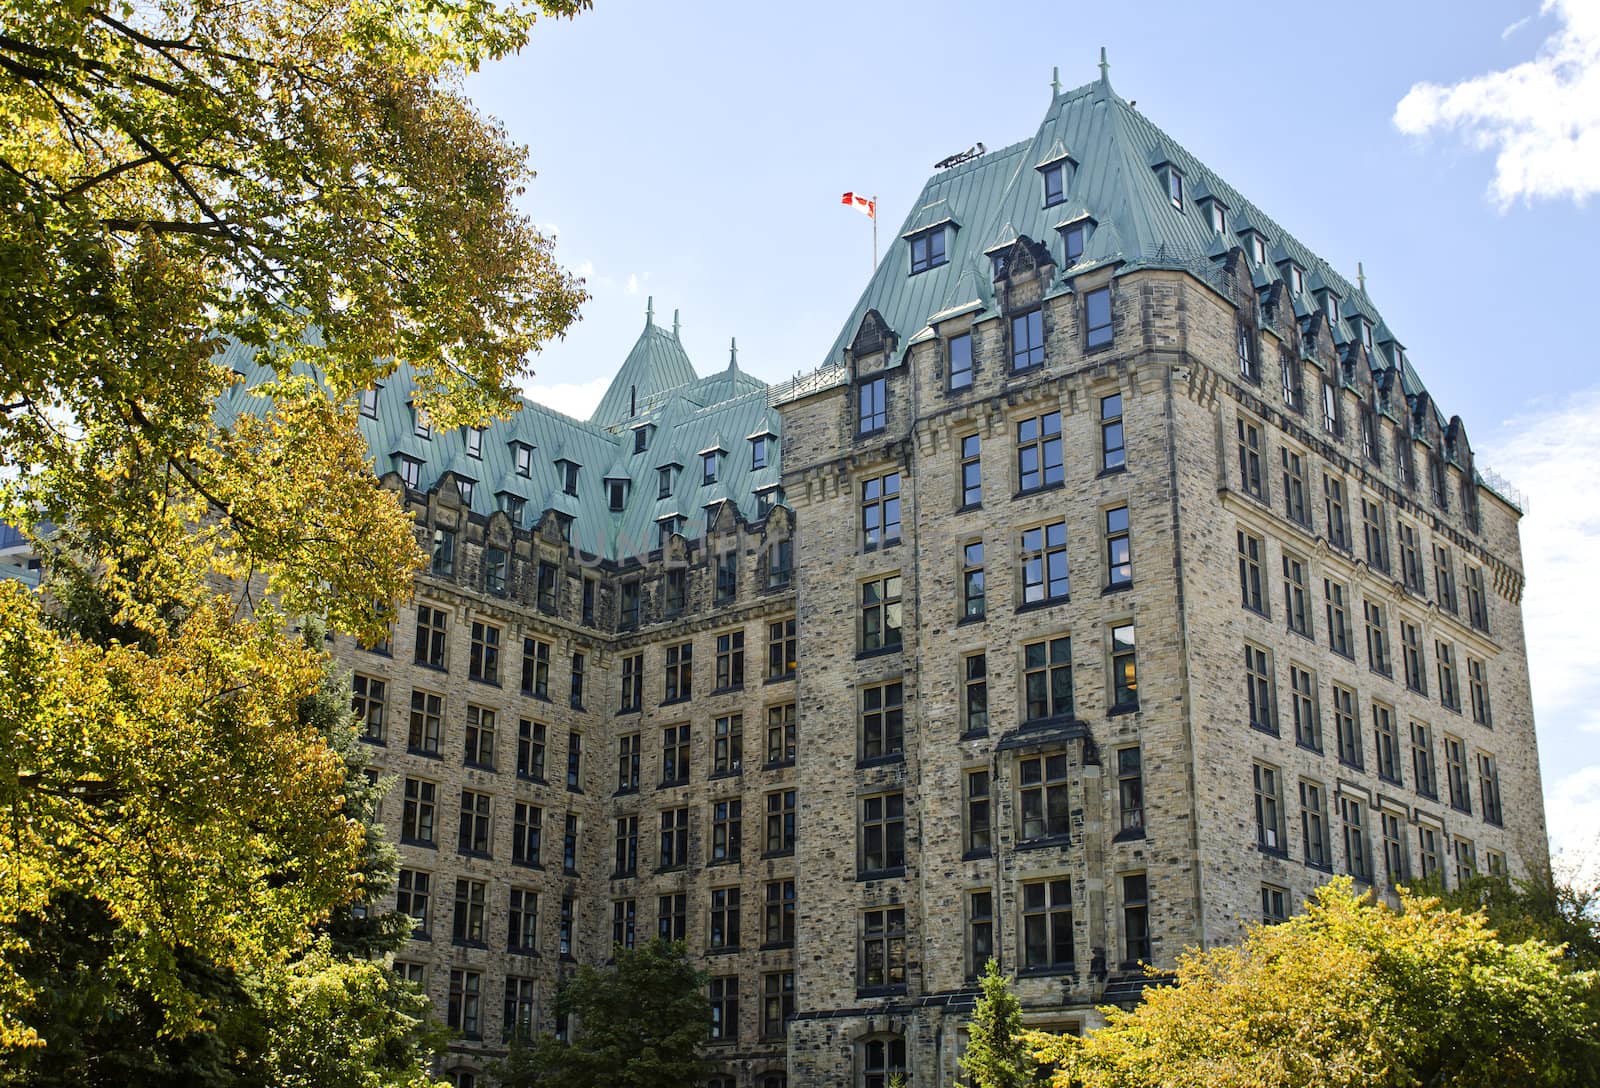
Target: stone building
x,y
1114,582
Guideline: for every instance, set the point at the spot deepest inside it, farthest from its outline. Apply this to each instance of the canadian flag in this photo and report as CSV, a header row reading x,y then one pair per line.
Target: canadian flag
x,y
866,205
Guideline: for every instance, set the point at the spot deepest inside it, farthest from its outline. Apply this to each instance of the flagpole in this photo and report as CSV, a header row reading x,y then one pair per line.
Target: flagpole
x,y
874,232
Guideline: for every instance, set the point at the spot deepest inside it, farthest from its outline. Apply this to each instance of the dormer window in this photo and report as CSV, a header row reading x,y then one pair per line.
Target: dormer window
x,y
568,471
1216,215
666,527
641,438
475,442
1174,181
410,470
1330,306
1258,248
564,526
928,250
522,457
1074,236
1297,279
760,451
1364,329
513,505
419,421
666,480
369,402
766,499
464,489
1055,183
617,495
710,461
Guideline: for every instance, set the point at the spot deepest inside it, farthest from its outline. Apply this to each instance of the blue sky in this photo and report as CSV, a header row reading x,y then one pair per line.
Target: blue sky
x,y
696,152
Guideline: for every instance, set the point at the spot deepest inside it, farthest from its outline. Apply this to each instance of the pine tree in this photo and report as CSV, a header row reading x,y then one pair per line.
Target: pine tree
x,y
996,1056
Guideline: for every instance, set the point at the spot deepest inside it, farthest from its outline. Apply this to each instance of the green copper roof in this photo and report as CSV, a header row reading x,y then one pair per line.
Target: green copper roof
x,y
1115,177
657,389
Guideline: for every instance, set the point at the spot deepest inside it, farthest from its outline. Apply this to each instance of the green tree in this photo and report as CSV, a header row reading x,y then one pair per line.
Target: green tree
x,y
997,1053
307,178
1352,993
1564,912
639,1024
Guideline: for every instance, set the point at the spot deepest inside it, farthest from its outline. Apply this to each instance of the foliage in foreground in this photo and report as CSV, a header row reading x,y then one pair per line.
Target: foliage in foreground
x,y
997,1054
641,1024
1350,994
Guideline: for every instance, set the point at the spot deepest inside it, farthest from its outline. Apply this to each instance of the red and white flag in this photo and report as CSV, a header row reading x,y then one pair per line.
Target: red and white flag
x,y
863,204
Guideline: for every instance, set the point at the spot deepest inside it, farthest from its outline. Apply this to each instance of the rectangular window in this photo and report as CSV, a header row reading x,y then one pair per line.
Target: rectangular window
x,y
780,822
1274,904
1044,563
464,1013
628,603
412,897
495,571
1119,557
427,715
727,744
777,1003
1047,679
545,587
1296,595
1314,825
1340,640
780,734
575,762
443,564
569,845
1428,851
1411,559
1436,482
972,595
1303,698
679,683
625,861
882,722
517,1020
480,738
883,948
430,636
1039,452
1072,240
1055,189
536,668
676,592
1386,742
1369,431
1374,529
1251,479
1124,669
1097,318
1258,689
1449,684
1027,340
1444,578
1357,847
1377,639
1478,690
1455,774
1130,792
777,927
474,837
1347,727
632,683
1252,591
1330,408
628,763
1294,487
1289,372
672,917
530,750
975,695
727,824
979,833
675,755
1466,856
1042,797
883,834
980,931
417,823
467,927
872,410
1396,860
927,251
1245,341
1422,767
1477,599
724,919
730,660
484,662
367,703
961,361
727,577
1136,918
781,649
1047,924
1489,788
1411,656
1333,502
880,613
410,470
1113,447
674,851
971,471
779,562
369,402
1269,808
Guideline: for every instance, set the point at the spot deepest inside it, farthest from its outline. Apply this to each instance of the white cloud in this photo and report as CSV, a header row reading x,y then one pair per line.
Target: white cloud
x,y
1541,117
633,284
1572,807
1516,26
576,399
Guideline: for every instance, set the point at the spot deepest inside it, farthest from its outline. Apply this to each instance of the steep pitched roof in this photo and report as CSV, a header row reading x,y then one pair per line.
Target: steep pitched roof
x,y
656,364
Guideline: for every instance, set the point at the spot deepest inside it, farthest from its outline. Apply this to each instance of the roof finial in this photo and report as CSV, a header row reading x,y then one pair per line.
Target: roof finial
x,y
650,310
674,324
733,353
1055,80
1361,277
1105,66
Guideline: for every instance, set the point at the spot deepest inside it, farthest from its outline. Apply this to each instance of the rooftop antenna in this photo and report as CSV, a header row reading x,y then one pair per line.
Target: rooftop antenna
x,y
650,310
1105,66
674,324
960,157
1055,80
733,353
1361,278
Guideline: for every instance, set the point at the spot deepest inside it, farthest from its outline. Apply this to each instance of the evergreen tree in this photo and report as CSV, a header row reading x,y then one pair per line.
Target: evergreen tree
x,y
997,1054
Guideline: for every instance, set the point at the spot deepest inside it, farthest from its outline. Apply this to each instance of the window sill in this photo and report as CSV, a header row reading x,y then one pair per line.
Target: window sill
x,y
974,734
522,863
1113,470
722,950
977,618
533,779
873,433
779,679
722,863
377,742
422,844
670,868
1122,710
715,775
473,765
1304,747
1129,834
1048,842
880,761
1269,730
1093,349
1027,492
460,943
676,700
977,855
772,946
574,789
631,874
484,854
543,697
423,753
1118,587
1273,852
430,666
968,508
891,873
863,992
1320,866
879,651
1048,602
674,784
728,690
777,764
630,710
1047,970
481,680
880,546
788,852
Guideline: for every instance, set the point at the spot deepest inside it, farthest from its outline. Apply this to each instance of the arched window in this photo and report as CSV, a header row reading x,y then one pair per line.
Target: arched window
x,y
885,1055
773,1080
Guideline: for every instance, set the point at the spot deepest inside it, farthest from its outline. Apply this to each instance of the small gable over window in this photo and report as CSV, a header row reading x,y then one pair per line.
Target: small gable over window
x,y
1075,236
641,437
928,249
568,471
522,457
1055,174
1171,177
